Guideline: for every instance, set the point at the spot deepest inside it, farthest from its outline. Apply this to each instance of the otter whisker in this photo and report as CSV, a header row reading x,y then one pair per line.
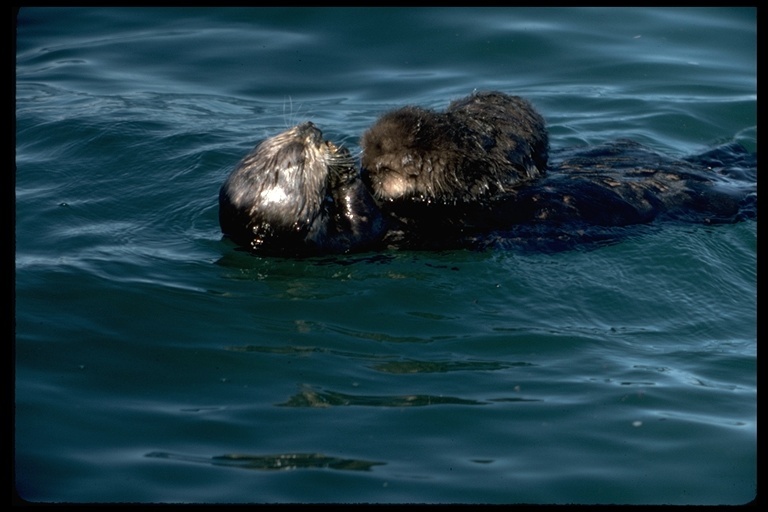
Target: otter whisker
x,y
289,119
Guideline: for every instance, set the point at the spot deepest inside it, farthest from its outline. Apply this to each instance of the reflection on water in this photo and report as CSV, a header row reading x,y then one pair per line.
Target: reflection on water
x,y
308,397
443,366
279,462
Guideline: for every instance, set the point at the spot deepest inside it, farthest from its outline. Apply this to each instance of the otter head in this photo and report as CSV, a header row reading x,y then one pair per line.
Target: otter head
x,y
411,153
279,191
482,147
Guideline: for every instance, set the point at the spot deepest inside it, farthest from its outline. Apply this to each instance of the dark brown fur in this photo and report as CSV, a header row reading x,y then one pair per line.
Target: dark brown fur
x,y
473,176
478,171
482,145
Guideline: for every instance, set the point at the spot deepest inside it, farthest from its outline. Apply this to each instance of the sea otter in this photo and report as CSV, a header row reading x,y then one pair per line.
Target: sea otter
x,y
482,145
298,194
479,171
476,175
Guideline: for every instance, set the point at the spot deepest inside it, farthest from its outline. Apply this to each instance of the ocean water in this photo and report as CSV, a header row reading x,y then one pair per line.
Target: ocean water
x,y
156,363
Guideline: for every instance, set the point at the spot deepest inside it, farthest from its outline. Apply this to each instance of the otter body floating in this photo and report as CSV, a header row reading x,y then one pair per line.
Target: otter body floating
x,y
471,176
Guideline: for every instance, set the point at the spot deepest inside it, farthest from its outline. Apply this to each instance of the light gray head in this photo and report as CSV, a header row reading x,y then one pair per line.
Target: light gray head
x,y
284,180
279,194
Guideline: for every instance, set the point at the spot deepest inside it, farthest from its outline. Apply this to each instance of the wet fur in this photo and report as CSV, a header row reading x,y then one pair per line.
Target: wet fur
x,y
479,171
296,194
586,194
482,145
473,176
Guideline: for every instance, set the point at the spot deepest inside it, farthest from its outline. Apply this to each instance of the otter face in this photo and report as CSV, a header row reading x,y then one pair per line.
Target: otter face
x,y
406,154
281,186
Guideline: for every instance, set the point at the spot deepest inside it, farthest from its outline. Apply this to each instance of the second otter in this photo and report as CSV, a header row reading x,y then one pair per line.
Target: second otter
x,y
485,144
479,171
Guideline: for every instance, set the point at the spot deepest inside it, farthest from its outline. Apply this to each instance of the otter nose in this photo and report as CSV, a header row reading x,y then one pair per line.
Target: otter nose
x,y
311,131
308,126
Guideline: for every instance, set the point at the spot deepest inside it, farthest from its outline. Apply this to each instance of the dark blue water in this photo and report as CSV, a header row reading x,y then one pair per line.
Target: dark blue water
x,y
154,363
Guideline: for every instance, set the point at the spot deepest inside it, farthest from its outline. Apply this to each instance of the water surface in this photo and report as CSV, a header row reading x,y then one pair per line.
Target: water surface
x,y
155,363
